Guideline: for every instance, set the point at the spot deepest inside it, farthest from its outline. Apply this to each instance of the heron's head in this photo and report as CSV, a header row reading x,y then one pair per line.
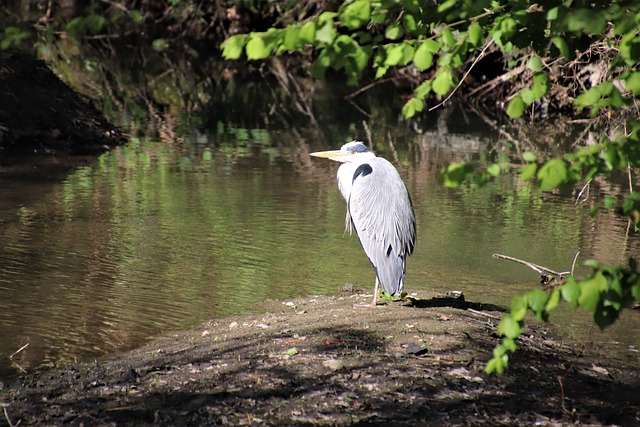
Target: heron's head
x,y
354,151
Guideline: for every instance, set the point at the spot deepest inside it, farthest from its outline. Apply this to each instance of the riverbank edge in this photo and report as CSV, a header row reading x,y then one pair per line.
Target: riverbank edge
x,y
319,360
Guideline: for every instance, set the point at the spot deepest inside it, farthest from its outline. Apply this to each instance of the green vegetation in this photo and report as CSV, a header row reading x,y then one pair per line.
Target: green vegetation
x,y
575,57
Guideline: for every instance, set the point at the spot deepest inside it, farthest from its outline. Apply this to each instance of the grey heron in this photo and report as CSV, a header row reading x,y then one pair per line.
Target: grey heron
x,y
380,211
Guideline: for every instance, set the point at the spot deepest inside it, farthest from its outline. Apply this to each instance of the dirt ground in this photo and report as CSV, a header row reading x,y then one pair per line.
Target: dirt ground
x,y
322,361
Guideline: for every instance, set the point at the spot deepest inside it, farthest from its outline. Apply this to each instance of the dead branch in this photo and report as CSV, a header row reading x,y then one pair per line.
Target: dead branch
x,y
548,278
18,350
491,84
585,191
478,58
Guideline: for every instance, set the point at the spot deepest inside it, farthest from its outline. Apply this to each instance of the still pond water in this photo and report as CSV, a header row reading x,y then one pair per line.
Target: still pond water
x,y
152,237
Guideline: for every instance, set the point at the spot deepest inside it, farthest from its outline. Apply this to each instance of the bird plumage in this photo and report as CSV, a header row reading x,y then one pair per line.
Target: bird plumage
x,y
379,210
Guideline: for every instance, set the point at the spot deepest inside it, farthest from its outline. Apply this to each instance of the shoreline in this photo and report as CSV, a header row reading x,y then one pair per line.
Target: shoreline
x,y
320,361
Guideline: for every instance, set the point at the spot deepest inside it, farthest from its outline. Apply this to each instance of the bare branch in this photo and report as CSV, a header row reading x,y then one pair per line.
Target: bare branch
x,y
538,268
18,350
478,58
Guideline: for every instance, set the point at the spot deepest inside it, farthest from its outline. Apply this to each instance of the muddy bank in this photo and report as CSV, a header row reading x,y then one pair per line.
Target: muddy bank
x,y
41,114
321,361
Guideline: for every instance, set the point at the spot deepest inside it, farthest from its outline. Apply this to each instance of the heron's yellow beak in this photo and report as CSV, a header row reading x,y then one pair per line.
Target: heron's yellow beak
x,y
332,154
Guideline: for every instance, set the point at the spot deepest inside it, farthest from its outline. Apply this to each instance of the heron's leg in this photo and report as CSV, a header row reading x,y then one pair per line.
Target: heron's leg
x,y
375,293
374,303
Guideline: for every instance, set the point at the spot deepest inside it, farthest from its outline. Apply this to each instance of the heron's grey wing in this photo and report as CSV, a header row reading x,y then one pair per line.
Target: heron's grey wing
x,y
382,215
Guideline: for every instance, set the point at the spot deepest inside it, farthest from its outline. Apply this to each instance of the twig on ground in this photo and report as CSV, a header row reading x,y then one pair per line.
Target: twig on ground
x,y
482,313
6,415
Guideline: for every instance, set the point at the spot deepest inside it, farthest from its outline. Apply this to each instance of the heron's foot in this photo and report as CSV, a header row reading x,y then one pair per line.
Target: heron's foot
x,y
373,303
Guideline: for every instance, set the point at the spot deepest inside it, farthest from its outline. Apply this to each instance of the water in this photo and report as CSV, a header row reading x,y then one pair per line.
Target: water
x,y
154,237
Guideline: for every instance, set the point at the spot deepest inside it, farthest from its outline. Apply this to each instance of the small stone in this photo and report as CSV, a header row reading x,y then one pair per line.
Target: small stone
x,y
415,349
233,325
289,304
206,333
333,364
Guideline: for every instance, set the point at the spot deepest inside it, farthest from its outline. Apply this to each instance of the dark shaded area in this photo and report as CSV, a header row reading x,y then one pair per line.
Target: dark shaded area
x,y
323,362
454,299
41,114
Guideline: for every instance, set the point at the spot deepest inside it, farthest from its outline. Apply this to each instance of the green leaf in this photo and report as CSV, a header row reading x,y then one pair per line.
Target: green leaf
x,y
562,46
552,174
307,33
571,292
356,14
159,45
446,5
393,32
494,169
233,46
394,54
407,53
410,23
509,327
588,20
605,316
635,291
590,291
497,365
527,172
519,307
540,85
381,71
327,33
423,90
475,33
527,96
537,300
554,300
256,49
326,16
535,64
529,156
320,65
408,109
447,38
423,58
515,109
443,82
432,45
590,97
609,202
291,351
291,39
455,173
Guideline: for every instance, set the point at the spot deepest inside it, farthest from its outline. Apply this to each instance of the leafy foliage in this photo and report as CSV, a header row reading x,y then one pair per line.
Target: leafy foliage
x,y
605,292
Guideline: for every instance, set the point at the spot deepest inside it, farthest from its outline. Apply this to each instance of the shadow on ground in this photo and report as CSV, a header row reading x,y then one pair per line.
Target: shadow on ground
x,y
324,362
